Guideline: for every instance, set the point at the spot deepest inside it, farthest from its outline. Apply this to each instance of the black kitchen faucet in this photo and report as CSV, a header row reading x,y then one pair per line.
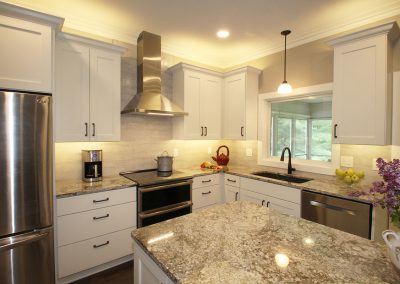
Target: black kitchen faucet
x,y
289,169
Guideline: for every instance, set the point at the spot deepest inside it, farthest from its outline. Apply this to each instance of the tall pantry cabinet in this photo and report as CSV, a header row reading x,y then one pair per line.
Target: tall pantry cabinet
x,y
87,90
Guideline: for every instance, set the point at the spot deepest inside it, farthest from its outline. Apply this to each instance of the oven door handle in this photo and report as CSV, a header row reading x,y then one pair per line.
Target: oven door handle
x,y
164,211
169,185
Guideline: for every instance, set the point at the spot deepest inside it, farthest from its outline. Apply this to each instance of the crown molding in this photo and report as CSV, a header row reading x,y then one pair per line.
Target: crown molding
x,y
93,42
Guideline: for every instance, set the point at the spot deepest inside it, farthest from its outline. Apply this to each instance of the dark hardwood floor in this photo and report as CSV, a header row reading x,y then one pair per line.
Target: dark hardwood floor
x,y
121,274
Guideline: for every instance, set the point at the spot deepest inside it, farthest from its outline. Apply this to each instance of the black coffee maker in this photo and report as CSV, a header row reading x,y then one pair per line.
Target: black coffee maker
x,y
92,165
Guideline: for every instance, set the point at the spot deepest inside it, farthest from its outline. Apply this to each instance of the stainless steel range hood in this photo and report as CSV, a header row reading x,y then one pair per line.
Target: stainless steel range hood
x,y
149,100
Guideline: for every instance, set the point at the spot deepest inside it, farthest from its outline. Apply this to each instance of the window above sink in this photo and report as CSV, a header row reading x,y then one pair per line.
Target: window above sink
x,y
301,121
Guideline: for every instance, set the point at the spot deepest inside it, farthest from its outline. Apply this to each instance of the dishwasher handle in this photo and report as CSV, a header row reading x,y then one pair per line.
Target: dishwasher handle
x,y
333,207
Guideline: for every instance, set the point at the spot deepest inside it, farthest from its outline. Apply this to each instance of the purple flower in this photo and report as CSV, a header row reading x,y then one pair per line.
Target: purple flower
x,y
385,193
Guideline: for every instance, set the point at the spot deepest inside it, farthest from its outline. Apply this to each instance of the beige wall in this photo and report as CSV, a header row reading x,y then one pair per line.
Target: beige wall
x,y
143,138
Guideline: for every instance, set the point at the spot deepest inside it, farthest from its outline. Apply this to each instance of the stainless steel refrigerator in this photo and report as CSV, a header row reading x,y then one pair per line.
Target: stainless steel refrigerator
x,y
26,199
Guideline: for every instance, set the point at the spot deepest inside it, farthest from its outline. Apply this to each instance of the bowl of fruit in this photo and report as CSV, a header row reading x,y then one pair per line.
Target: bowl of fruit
x,y
349,176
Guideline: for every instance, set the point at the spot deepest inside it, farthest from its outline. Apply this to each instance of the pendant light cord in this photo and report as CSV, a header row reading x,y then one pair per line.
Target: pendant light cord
x,y
284,66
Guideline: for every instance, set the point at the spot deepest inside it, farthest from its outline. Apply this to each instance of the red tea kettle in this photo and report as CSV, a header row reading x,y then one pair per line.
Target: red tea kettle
x,y
222,159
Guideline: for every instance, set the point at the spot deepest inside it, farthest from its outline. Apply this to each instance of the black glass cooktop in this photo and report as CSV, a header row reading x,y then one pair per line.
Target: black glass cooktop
x,y
153,177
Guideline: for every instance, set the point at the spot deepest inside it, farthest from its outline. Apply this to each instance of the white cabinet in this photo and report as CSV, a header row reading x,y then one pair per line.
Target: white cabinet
x,y
146,271
205,191
94,229
281,198
363,86
26,50
231,187
240,96
87,90
198,91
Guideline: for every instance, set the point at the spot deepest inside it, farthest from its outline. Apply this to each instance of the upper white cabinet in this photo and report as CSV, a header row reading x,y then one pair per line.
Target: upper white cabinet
x,y
240,104
26,49
363,86
198,91
87,90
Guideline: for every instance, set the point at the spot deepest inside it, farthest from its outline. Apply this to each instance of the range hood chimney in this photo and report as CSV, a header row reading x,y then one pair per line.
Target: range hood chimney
x,y
148,99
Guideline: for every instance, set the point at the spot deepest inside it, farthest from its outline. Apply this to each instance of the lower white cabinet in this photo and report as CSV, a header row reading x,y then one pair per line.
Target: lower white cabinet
x,y
94,229
145,270
86,254
232,187
281,198
205,191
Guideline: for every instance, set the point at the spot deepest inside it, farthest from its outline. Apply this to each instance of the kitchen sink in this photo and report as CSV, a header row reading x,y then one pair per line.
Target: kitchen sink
x,y
283,177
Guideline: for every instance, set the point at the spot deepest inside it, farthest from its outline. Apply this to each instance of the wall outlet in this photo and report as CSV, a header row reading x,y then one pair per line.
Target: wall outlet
x,y
209,150
249,152
176,152
346,161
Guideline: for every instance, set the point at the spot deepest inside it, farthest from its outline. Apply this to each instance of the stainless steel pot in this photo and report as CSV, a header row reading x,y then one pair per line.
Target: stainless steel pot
x,y
164,162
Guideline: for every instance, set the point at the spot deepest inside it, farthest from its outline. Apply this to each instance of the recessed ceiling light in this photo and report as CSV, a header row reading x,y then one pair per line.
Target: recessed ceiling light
x,y
223,34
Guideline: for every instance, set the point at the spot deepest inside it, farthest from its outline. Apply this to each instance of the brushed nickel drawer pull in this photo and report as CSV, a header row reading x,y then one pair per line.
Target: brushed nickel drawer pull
x,y
94,129
205,181
86,129
262,203
204,193
101,200
231,180
101,217
101,245
236,196
268,203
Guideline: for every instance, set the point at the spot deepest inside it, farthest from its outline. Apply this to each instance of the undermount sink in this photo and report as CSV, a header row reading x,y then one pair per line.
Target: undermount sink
x,y
283,177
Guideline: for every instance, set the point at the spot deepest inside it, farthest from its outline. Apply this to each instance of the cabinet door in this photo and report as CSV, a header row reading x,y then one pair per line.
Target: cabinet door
x,y
25,55
234,106
210,107
105,95
360,95
71,96
192,85
253,197
231,193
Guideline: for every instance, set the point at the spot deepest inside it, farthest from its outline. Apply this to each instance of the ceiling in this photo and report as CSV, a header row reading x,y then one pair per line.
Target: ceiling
x,y
188,27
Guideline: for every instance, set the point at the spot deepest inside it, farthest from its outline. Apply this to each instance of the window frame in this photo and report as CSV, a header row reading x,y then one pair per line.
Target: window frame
x,y
264,131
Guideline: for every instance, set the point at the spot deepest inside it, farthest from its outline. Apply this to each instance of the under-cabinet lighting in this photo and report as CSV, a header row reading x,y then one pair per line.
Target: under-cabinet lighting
x,y
160,113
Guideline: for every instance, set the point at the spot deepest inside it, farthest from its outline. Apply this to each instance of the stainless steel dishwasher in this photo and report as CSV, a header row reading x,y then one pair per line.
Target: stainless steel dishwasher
x,y
346,215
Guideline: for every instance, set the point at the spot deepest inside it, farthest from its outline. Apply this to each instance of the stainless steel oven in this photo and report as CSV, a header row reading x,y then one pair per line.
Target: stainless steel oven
x,y
161,196
163,201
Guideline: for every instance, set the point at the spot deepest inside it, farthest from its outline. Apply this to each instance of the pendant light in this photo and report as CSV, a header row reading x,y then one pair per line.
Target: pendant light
x,y
285,87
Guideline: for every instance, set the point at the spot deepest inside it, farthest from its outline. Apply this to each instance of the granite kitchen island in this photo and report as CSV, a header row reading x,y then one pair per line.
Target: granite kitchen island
x,y
242,242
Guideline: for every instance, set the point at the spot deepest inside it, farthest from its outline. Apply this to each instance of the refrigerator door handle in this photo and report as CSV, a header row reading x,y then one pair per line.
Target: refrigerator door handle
x,y
9,243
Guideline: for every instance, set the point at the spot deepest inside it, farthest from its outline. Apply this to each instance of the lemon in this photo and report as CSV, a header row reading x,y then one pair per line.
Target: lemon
x,y
355,178
347,179
360,174
350,172
340,173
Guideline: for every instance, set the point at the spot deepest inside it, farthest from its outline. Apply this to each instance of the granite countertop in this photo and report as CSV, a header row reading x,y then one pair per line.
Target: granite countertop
x,y
325,184
68,188
241,242
321,183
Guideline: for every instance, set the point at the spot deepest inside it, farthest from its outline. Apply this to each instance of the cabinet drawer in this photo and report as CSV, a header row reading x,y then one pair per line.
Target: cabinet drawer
x,y
232,180
86,202
85,225
205,196
84,255
278,191
207,180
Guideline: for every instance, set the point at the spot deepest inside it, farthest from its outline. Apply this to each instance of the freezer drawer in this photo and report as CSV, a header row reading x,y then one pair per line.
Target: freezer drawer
x,y
346,215
27,258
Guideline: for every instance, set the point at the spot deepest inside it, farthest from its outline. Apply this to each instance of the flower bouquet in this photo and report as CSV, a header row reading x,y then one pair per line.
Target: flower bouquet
x,y
386,192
